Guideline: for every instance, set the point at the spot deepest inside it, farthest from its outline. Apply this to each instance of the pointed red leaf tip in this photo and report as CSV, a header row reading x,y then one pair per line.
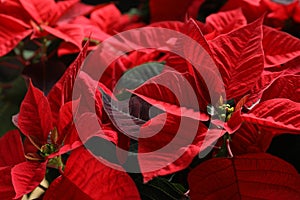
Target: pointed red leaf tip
x,y
86,178
192,29
170,143
18,177
65,122
283,87
251,176
62,91
252,9
12,31
11,149
239,57
34,118
224,22
71,33
283,50
11,153
6,187
105,17
47,11
171,10
279,115
250,139
263,82
165,92
27,176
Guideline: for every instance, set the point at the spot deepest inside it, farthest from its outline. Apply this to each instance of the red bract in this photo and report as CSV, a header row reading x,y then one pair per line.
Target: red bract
x,y
173,10
250,139
276,13
187,141
275,113
249,176
286,86
35,121
283,50
107,18
52,113
240,59
61,92
234,58
11,35
115,70
39,20
85,177
226,94
167,98
280,115
223,22
18,176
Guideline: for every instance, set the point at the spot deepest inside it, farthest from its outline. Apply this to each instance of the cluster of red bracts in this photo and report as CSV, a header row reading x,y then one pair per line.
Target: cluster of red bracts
x,y
260,68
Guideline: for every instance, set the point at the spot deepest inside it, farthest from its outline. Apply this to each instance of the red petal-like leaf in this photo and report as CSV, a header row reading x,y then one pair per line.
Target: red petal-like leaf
x,y
106,16
72,33
87,178
39,11
194,8
60,8
27,176
169,143
47,11
63,89
173,25
170,11
11,153
280,115
90,28
78,9
251,9
239,57
90,96
285,47
252,176
192,29
6,187
11,149
65,120
35,120
14,9
208,80
12,31
284,87
250,139
264,81
224,22
171,91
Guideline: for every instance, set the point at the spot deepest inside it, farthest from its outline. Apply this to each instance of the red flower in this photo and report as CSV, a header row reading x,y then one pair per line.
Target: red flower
x,y
85,177
173,10
276,13
45,133
248,176
18,176
31,17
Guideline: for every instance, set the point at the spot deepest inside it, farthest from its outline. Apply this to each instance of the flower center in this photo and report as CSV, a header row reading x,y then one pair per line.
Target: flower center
x,y
226,111
48,149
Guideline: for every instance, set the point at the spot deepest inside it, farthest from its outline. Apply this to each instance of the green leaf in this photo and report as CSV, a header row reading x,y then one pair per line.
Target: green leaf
x,y
135,77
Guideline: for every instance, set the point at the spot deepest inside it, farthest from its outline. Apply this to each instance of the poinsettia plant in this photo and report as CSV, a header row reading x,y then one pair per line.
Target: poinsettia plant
x,y
94,107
